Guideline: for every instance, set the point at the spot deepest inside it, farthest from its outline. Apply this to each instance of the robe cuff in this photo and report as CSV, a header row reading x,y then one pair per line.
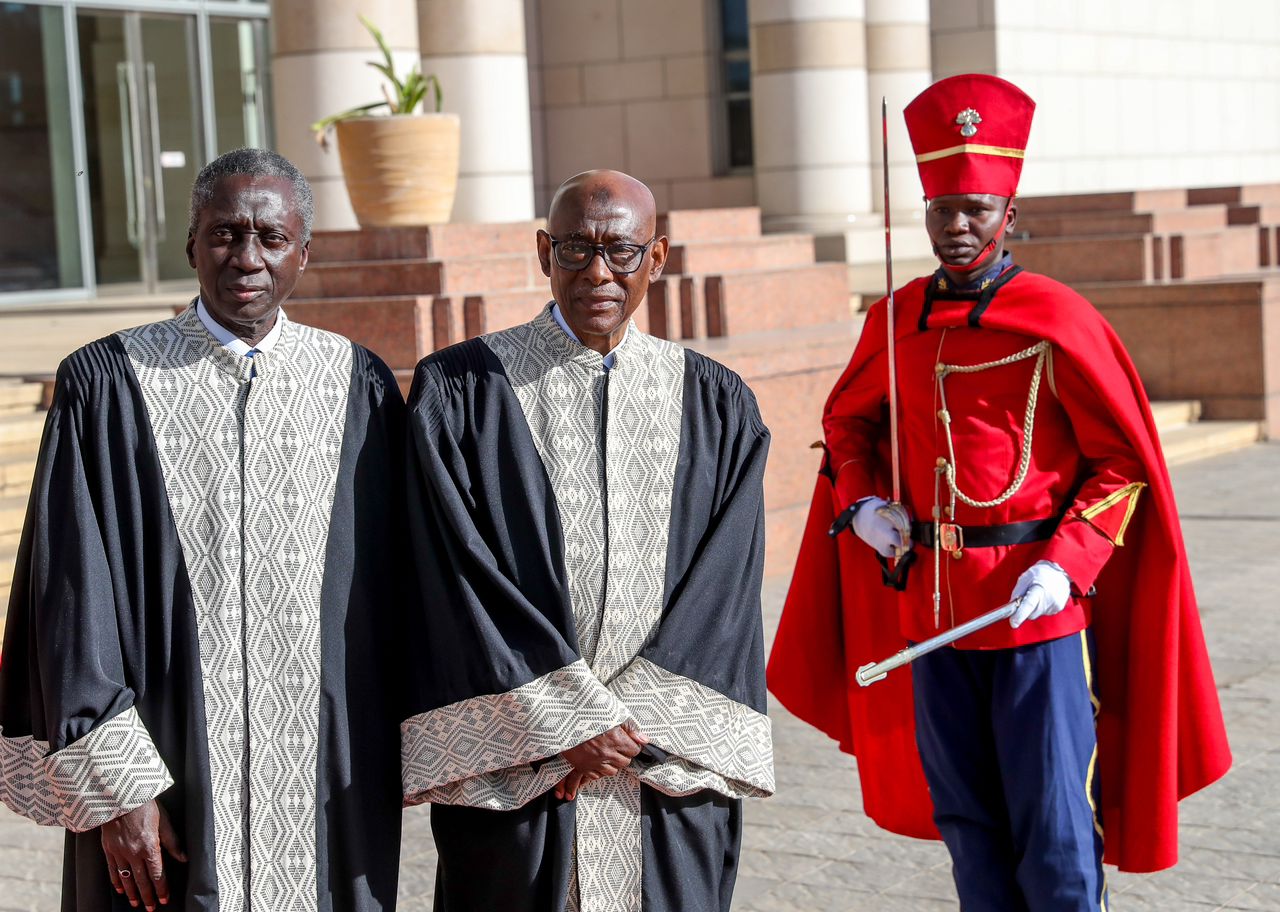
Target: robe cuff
x,y
501,790
717,743
107,773
479,735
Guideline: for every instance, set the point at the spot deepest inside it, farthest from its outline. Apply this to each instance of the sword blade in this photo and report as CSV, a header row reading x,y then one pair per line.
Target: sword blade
x,y
894,458
875,671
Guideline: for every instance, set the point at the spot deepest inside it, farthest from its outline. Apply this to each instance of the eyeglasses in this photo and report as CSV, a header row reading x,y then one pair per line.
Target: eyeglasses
x,y
622,259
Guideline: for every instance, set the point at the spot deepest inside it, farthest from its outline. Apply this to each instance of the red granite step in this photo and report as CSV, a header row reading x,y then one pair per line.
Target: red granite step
x,y
1126,201
400,329
682,225
1142,257
1087,224
501,310
1253,213
1252,194
428,242
377,278
724,255
1213,341
772,299
791,373
1214,254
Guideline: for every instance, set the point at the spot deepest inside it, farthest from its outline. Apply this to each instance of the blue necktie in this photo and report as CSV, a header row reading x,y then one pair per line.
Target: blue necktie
x,y
253,369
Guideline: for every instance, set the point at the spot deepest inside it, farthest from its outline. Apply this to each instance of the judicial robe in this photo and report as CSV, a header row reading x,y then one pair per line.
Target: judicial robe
x,y
202,613
590,546
1160,729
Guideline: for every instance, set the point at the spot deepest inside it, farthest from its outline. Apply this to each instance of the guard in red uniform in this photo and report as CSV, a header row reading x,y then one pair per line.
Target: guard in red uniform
x,y
1030,469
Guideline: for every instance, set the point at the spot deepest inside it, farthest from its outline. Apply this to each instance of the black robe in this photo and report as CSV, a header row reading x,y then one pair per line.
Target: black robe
x,y
203,541
590,550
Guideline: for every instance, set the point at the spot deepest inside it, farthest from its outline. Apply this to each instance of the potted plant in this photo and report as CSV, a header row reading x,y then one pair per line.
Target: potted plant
x,y
400,168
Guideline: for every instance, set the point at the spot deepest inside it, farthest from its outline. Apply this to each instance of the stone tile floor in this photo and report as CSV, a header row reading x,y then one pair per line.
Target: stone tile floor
x,y
810,848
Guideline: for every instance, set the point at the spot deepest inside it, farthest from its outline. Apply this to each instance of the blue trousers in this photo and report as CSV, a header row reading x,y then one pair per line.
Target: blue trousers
x,y
1008,742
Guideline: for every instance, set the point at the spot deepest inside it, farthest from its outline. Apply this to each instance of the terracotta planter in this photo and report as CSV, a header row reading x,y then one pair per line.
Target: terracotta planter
x,y
400,170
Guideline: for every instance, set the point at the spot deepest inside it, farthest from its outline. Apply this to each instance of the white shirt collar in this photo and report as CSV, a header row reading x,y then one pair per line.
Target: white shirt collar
x,y
230,341
608,359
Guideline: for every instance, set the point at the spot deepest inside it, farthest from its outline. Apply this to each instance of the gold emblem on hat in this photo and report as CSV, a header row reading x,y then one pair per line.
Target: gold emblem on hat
x,y
968,118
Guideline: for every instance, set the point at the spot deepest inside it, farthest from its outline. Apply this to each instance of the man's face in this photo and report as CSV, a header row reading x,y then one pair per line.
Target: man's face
x,y
962,225
247,252
597,301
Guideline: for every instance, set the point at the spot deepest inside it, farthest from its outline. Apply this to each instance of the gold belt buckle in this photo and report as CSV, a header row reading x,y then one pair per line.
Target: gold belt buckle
x,y
950,537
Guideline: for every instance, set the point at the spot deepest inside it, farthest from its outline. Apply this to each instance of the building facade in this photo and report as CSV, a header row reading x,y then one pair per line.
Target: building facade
x,y
108,108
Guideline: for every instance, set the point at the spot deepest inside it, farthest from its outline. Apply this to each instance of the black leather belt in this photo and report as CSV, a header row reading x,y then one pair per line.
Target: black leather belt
x,y
1018,533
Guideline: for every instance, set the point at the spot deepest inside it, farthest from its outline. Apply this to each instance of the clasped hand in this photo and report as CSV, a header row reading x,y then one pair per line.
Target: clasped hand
x,y
133,844
606,754
883,526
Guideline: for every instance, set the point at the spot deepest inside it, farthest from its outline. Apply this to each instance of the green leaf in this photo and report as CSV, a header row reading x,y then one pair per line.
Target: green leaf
x,y
390,74
382,44
435,84
326,122
406,94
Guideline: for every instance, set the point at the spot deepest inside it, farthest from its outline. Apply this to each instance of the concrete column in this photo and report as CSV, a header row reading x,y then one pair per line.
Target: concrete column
x,y
898,69
809,113
477,50
319,67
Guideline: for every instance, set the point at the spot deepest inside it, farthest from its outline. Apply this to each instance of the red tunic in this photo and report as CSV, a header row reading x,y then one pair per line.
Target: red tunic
x,y
1094,446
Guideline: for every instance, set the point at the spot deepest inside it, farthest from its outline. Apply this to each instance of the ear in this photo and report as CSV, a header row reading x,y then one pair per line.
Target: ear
x,y
1010,216
191,250
306,255
544,252
657,257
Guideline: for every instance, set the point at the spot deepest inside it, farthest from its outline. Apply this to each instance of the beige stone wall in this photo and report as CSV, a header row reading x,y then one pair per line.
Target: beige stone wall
x,y
1130,95
477,51
627,85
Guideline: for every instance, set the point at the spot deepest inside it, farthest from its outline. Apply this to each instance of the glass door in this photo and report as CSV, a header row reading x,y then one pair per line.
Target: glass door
x,y
143,141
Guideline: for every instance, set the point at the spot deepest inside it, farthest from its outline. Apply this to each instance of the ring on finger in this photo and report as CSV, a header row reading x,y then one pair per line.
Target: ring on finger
x,y
125,872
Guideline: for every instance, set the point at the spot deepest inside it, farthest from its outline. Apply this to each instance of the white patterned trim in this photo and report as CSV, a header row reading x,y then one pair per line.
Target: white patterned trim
x,y
614,500
109,772
465,740
250,453
501,790
700,725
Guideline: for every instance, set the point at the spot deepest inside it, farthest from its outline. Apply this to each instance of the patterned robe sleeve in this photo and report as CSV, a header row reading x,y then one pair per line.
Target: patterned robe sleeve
x,y
500,688
697,689
74,751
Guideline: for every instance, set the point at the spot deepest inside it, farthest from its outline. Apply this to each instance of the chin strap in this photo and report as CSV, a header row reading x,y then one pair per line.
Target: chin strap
x,y
982,260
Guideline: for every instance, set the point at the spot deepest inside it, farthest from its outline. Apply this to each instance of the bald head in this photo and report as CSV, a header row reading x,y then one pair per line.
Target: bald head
x,y
603,195
609,221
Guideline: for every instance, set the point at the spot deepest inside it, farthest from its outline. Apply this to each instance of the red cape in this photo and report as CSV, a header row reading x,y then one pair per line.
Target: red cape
x,y
1160,732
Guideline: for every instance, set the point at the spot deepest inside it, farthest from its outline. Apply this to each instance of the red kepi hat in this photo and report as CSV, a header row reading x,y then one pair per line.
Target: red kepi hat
x,y
969,134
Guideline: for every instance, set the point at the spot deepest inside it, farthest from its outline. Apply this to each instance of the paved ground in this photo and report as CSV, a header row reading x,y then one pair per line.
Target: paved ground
x,y
810,848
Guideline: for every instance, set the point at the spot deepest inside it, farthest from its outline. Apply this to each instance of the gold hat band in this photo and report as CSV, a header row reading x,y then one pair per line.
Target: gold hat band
x,y
970,149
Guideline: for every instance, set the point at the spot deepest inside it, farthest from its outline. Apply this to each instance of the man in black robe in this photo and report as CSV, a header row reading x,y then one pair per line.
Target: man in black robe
x,y
196,678
587,522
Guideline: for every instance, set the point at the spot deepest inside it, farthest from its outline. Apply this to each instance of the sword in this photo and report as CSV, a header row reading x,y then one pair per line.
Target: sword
x,y
888,278
893,570
876,671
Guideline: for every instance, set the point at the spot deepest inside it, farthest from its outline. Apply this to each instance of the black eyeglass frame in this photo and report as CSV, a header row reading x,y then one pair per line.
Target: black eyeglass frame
x,y
599,250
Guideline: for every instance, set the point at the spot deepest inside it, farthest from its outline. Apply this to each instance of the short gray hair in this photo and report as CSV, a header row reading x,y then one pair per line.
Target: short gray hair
x,y
255,163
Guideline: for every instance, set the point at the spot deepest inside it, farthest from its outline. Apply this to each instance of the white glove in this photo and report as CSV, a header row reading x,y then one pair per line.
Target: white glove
x,y
885,528
1044,589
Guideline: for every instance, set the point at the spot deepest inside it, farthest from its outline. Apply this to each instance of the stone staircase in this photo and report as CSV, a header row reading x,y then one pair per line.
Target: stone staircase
x,y
1191,282
407,292
1205,340
21,424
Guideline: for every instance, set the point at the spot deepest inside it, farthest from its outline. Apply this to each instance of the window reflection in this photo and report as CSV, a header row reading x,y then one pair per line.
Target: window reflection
x,y
39,228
